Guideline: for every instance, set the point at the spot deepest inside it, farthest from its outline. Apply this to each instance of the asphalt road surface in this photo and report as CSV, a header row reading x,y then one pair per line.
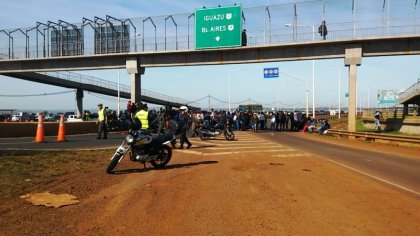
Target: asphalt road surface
x,y
392,168
85,141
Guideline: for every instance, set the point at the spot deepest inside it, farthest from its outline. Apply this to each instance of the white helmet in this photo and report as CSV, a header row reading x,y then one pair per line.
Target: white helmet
x,y
184,108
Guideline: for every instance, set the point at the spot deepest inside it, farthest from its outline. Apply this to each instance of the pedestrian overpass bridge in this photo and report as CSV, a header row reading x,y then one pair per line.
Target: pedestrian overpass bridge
x,y
411,95
83,83
348,41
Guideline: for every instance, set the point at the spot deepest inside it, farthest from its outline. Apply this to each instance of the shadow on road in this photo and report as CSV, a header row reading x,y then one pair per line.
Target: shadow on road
x,y
168,167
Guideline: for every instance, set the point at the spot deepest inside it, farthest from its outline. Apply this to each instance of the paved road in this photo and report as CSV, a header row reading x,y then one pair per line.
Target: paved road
x,y
391,168
85,141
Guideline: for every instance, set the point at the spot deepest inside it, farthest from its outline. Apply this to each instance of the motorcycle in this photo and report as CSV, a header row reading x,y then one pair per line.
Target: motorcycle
x,y
144,148
205,132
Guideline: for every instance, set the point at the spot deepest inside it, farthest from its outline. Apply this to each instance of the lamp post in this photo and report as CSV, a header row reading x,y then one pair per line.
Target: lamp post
x,y
118,99
229,104
307,90
313,64
339,91
329,101
138,35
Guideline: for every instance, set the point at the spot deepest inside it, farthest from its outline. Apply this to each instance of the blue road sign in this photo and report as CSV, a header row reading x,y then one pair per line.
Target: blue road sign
x,y
271,73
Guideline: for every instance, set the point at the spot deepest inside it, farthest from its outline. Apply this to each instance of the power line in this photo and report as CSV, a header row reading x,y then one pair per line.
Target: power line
x,y
101,96
36,95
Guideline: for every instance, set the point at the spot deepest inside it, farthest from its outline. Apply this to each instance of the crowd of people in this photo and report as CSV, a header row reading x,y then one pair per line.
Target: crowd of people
x,y
157,120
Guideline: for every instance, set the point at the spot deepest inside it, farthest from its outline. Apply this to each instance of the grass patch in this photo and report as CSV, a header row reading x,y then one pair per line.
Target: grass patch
x,y
19,174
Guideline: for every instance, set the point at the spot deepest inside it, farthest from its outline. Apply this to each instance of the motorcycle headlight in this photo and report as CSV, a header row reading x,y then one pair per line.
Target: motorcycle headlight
x,y
129,138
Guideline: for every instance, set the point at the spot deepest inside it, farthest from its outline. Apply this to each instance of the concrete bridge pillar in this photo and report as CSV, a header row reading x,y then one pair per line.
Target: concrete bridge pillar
x,y
405,110
135,72
79,102
353,58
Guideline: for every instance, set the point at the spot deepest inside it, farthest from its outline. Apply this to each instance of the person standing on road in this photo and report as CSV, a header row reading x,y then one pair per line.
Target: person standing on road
x,y
377,116
263,120
143,116
183,125
102,122
254,122
129,106
160,120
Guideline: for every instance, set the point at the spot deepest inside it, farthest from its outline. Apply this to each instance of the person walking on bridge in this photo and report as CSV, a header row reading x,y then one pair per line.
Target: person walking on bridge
x,y
102,122
322,29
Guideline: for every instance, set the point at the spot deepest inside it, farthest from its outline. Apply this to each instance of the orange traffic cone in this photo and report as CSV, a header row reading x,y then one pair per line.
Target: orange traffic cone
x,y
61,131
40,132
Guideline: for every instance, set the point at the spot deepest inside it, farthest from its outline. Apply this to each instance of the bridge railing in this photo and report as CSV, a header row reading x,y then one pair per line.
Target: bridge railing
x,y
85,79
391,112
256,38
412,90
265,25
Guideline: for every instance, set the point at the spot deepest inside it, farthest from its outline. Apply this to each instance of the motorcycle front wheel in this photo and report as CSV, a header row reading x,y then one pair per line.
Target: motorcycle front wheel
x,y
114,162
229,135
163,158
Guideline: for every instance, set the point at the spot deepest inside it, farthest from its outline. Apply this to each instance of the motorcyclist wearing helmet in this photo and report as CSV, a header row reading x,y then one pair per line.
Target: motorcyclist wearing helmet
x,y
183,124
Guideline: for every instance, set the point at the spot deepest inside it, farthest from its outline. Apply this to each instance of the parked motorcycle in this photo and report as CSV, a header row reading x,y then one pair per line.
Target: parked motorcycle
x,y
143,148
205,132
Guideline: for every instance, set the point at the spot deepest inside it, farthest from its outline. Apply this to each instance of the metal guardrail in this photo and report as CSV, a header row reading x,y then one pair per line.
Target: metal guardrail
x,y
374,136
85,79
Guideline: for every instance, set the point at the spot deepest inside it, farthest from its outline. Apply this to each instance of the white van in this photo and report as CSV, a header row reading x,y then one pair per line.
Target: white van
x,y
73,118
16,118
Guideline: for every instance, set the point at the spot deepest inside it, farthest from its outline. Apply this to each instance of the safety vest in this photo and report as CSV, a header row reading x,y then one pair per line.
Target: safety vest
x,y
102,114
142,115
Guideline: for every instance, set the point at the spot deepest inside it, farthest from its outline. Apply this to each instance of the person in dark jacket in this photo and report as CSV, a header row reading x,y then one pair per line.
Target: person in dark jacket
x,y
183,125
244,39
322,29
324,127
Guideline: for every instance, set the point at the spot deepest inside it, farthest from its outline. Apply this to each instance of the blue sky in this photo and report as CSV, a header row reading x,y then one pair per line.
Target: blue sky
x,y
193,83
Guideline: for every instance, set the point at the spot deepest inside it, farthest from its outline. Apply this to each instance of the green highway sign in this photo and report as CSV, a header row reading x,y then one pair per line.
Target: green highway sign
x,y
218,27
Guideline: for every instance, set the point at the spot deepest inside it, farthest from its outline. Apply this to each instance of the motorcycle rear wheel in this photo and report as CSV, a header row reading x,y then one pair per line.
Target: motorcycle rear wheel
x,y
114,162
229,135
163,158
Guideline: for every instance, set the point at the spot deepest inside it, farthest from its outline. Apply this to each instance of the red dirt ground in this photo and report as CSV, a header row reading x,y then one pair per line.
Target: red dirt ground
x,y
203,193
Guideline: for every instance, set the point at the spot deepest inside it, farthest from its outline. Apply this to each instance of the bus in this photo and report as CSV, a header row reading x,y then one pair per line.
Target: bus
x,y
250,107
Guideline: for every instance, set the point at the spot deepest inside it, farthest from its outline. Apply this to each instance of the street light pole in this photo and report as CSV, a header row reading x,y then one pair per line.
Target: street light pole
x,y
307,90
329,101
313,88
313,66
339,93
229,89
118,88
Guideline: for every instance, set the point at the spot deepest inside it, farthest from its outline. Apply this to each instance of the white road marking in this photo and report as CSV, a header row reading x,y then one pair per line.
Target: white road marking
x,y
374,177
256,151
190,152
292,155
221,148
